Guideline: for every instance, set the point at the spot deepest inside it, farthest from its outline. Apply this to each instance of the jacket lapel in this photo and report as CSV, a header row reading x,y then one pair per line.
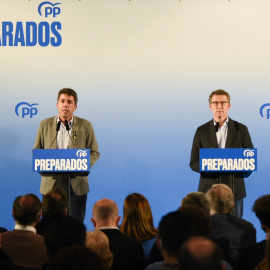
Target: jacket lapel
x,y
74,131
231,133
53,133
213,137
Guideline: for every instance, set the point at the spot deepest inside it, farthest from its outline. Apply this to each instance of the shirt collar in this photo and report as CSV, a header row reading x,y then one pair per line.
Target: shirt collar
x,y
70,123
226,122
107,227
25,228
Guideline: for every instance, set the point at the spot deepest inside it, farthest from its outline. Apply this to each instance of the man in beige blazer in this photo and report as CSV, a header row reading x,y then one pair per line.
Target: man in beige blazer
x,y
78,134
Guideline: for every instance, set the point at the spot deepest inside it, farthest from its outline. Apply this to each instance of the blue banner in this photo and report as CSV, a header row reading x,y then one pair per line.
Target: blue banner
x,y
61,160
228,159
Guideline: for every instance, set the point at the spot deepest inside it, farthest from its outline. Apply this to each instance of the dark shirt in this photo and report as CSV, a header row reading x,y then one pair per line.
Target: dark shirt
x,y
252,256
239,232
128,252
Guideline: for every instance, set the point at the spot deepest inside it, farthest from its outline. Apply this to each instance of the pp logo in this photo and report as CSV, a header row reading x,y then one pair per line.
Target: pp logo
x,y
81,153
49,9
26,109
267,110
249,153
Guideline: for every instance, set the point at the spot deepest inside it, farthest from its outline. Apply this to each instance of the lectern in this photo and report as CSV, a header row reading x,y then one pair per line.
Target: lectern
x,y
236,162
62,164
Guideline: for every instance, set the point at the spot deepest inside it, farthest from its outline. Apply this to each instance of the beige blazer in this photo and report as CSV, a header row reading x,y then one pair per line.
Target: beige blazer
x,y
85,138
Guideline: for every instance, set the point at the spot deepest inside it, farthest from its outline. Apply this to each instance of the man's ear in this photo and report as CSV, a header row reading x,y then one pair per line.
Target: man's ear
x,y
266,229
159,244
94,222
118,220
39,216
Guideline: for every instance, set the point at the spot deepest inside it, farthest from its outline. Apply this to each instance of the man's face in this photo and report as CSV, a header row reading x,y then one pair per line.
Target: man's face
x,y
66,106
219,106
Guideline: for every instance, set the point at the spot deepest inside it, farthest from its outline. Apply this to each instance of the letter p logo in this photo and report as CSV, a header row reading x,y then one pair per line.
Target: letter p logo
x,y
26,109
49,9
265,112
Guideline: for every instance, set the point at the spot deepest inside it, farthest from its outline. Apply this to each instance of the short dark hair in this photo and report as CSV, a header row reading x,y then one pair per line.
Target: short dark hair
x,y
261,208
219,92
69,92
26,209
63,232
174,229
54,203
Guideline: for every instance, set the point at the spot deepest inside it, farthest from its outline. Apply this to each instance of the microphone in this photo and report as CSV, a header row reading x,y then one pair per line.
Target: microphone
x,y
216,127
58,126
66,124
67,128
57,129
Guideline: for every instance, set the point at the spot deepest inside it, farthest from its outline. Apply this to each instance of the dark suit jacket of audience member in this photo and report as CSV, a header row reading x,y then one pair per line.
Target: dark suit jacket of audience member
x,y
42,226
252,256
238,231
128,252
24,248
6,263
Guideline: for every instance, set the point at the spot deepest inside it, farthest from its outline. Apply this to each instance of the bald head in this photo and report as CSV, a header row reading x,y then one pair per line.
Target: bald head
x,y
200,246
200,253
105,213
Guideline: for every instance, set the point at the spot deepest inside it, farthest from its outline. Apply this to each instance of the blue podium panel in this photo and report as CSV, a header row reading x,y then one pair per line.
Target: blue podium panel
x,y
228,159
61,160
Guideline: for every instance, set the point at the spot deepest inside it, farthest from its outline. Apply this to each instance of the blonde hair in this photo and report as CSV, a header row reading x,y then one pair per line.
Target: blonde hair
x,y
98,242
221,198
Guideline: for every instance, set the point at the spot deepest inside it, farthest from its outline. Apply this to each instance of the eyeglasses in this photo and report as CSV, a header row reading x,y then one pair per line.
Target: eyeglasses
x,y
222,103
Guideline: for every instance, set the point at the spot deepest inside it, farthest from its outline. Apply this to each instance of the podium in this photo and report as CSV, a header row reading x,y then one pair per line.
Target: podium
x,y
237,162
62,164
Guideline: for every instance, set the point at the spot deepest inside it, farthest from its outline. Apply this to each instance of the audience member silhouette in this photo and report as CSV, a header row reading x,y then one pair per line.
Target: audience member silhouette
x,y
77,257
238,231
174,229
254,253
128,252
98,242
138,221
22,245
265,263
200,200
200,253
63,232
54,205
